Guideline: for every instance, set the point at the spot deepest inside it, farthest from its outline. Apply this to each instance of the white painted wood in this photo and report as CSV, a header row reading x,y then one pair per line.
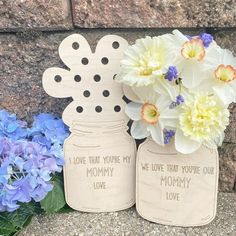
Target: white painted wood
x,y
99,171
175,197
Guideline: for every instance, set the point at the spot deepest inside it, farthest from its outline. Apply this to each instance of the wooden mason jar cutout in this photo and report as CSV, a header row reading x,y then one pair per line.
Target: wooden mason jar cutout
x,y
99,171
176,189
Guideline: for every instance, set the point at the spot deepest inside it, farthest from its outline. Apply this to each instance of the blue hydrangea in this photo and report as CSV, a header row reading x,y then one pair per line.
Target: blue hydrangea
x,y
50,132
48,129
7,192
207,39
26,171
172,73
168,135
29,158
11,127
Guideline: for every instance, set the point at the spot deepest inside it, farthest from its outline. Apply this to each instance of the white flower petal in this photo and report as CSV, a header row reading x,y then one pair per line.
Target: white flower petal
x,y
139,130
228,58
133,110
156,133
233,86
131,77
163,102
219,140
206,85
142,80
162,86
184,144
226,93
213,54
192,74
179,37
146,94
169,117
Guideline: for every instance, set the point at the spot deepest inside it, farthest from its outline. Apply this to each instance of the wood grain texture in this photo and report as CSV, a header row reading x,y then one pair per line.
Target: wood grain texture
x,y
99,171
176,189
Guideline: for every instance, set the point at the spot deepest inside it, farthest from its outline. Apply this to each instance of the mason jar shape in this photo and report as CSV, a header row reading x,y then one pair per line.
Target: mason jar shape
x,y
176,189
99,171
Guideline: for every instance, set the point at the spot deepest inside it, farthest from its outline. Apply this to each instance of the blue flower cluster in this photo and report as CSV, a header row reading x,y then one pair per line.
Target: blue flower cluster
x,y
28,158
11,127
168,135
206,39
179,100
50,132
172,73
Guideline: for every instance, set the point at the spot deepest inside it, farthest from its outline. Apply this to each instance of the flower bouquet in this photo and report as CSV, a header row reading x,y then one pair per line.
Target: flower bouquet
x,y
180,88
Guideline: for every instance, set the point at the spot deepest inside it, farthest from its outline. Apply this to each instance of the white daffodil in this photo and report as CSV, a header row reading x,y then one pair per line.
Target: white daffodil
x,y
202,121
146,61
191,55
221,76
150,118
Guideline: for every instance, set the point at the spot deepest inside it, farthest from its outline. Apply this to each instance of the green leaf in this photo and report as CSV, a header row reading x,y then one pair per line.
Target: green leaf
x,y
55,200
21,215
12,222
5,232
65,209
5,224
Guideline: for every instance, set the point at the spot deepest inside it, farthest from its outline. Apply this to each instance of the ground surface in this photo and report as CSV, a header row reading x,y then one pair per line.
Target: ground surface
x,y
128,223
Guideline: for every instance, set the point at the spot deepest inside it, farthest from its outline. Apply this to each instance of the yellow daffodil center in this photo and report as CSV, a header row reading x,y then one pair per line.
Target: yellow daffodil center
x,y
150,113
149,61
193,48
152,58
204,118
225,73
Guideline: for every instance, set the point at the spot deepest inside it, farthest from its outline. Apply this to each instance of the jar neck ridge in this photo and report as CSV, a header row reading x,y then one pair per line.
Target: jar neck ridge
x,y
98,128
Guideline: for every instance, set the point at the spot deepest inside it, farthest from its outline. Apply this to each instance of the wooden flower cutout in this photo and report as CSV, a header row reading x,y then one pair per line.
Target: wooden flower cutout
x,y
89,80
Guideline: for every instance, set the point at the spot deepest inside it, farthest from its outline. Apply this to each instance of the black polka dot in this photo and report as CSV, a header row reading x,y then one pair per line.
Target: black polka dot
x,y
57,78
84,60
79,109
75,45
115,45
77,78
114,76
105,60
97,78
98,108
86,93
117,108
106,93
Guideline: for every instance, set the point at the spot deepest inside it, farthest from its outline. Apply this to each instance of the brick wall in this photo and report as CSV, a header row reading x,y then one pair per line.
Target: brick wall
x,y
31,30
